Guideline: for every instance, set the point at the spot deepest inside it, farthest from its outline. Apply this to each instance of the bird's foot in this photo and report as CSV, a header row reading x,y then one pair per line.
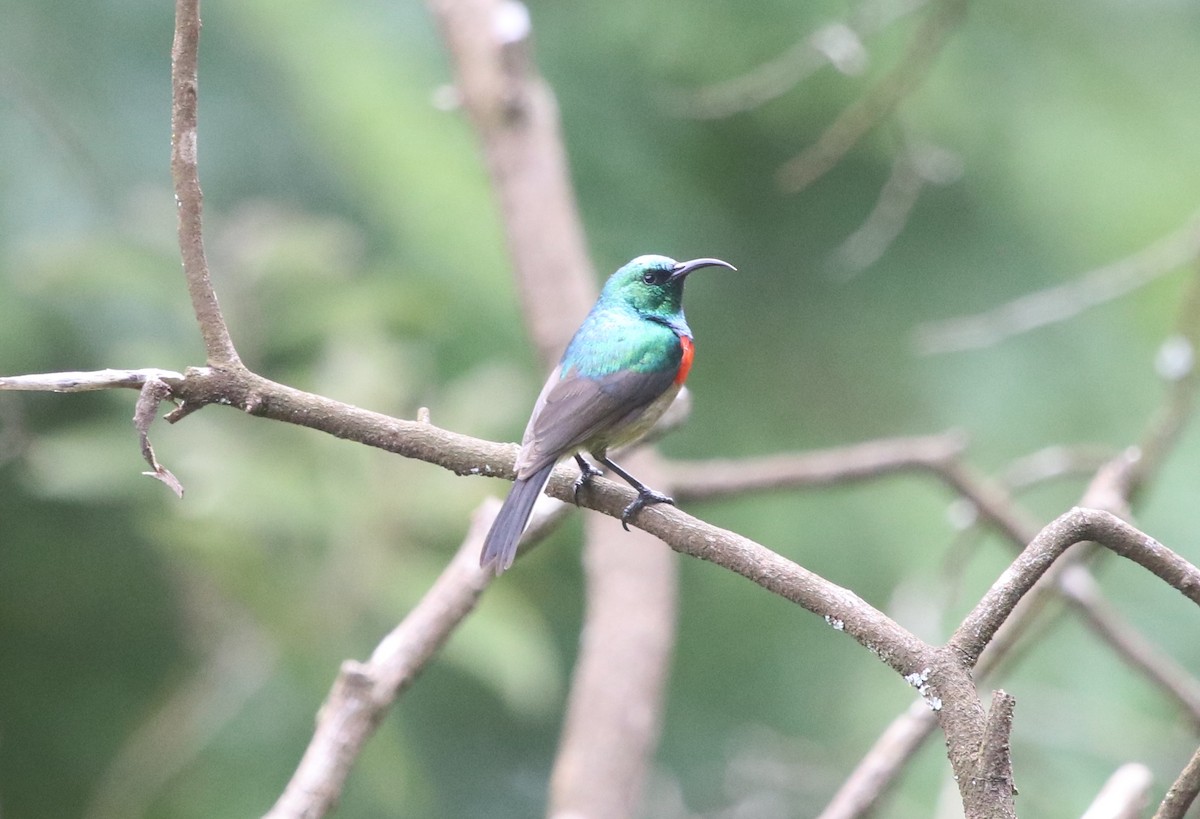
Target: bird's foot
x,y
646,497
586,473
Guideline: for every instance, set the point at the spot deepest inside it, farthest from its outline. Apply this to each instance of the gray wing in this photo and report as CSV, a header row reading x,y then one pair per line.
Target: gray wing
x,y
574,410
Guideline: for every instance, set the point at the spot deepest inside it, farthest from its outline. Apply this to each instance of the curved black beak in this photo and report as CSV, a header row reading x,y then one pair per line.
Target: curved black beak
x,y
681,269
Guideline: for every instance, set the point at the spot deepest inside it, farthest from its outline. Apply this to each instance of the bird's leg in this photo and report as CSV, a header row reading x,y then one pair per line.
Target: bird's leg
x,y
586,473
646,495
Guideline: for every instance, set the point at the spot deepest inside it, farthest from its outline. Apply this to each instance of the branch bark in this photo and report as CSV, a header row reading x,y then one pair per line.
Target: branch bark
x,y
363,692
859,118
1183,792
515,115
1124,796
614,713
510,108
719,478
1076,526
218,345
617,691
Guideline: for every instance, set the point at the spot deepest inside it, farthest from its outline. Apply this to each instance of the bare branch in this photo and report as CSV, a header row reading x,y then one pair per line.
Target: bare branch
x,y
1124,796
614,712
838,44
877,771
1076,526
616,698
993,776
1183,792
218,345
363,692
706,480
153,393
516,118
1081,589
1075,583
1064,301
916,165
1176,365
861,116
1118,478
87,381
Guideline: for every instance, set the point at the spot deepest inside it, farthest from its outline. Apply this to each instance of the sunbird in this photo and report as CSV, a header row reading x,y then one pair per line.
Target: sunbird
x,y
623,368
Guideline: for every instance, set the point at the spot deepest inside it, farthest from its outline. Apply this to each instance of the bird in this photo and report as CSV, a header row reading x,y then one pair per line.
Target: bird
x,y
619,373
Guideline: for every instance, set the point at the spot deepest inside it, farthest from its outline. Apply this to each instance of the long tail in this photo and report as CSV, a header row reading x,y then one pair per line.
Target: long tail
x,y
500,545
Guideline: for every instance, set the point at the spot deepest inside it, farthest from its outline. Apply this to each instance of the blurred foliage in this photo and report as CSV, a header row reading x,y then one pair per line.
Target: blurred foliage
x,y
166,658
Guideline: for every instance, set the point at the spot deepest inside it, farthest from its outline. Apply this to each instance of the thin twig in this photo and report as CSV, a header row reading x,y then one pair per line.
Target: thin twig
x,y
218,345
1124,796
364,691
708,480
1183,791
915,166
860,117
87,381
1061,302
153,393
838,44
877,771
1076,526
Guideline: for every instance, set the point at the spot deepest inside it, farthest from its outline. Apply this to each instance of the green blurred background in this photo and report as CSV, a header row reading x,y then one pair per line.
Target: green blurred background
x,y
165,658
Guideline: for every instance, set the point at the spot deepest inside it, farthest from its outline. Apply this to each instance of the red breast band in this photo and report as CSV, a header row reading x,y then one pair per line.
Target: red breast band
x,y
685,363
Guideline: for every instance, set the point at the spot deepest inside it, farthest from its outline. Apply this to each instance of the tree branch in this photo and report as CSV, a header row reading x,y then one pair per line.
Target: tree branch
x,y
993,777
503,100
617,690
838,44
218,346
1124,796
614,712
860,117
1182,792
1076,526
87,381
711,479
363,692
1063,301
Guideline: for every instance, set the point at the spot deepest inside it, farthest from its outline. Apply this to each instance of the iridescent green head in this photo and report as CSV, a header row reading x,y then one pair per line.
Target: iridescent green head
x,y
653,285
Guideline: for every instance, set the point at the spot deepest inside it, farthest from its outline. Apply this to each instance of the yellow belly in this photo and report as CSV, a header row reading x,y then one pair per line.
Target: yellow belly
x,y
633,428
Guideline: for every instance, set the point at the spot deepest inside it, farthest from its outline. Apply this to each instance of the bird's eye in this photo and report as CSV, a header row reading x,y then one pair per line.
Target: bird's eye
x,y
649,278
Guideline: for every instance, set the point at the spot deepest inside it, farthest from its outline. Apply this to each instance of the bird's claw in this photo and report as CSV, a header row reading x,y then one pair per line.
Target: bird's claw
x,y
586,473
646,497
